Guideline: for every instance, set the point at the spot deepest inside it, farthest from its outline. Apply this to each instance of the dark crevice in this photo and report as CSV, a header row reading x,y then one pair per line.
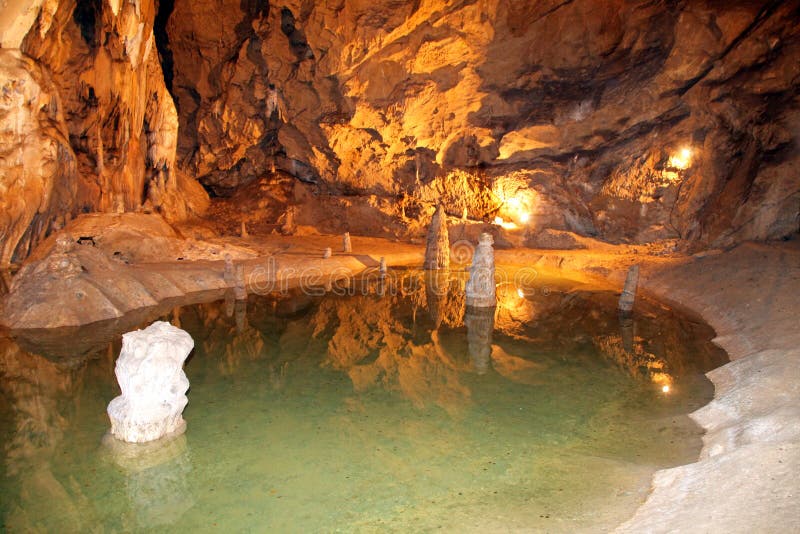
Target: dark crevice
x,y
165,8
297,39
85,16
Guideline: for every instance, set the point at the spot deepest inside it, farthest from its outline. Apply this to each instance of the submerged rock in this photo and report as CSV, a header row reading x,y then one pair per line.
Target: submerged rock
x,y
150,374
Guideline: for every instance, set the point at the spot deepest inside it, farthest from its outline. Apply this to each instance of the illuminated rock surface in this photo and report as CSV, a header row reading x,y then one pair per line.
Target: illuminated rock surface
x,y
150,374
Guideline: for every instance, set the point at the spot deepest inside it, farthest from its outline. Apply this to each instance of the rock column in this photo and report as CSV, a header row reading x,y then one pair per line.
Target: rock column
x,y
437,251
480,286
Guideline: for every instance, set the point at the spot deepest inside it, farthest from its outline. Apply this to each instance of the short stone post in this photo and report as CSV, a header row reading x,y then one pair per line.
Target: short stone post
x,y
628,296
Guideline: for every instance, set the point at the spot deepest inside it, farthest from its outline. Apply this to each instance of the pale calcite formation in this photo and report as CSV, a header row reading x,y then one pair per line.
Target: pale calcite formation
x,y
437,251
150,374
481,291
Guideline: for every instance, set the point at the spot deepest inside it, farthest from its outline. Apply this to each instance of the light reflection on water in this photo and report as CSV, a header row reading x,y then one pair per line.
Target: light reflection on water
x,y
392,408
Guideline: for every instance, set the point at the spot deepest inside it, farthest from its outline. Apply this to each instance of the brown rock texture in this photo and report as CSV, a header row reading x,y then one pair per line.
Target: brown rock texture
x,y
100,129
629,121
585,103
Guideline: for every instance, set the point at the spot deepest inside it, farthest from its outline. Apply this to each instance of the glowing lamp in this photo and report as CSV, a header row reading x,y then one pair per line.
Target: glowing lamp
x,y
521,293
524,217
682,159
499,221
665,388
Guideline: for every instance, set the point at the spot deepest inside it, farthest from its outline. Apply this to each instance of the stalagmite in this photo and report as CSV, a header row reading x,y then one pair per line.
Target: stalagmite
x,y
229,272
240,288
346,245
382,268
244,230
288,227
628,296
327,253
150,374
480,286
437,252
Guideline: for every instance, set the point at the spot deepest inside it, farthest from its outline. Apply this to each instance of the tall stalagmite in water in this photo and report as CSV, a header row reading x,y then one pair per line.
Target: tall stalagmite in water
x,y
480,287
437,252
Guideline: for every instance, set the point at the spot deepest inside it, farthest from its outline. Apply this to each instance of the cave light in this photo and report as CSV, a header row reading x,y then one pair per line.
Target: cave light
x,y
682,159
665,388
508,225
521,293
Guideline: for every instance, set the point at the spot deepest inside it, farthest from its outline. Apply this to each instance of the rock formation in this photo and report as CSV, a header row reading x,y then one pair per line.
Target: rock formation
x,y
628,121
481,289
86,122
437,250
150,374
628,296
585,103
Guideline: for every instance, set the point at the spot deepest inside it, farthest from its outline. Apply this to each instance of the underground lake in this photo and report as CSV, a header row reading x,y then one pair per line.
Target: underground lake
x,y
375,404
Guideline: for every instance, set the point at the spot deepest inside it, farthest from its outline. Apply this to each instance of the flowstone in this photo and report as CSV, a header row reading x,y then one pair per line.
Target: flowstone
x,y
150,374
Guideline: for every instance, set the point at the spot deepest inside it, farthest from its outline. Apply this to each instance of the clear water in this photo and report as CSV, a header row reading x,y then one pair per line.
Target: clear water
x,y
389,409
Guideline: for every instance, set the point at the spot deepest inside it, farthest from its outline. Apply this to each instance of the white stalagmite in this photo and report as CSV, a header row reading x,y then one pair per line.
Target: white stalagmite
x,y
150,374
346,244
480,286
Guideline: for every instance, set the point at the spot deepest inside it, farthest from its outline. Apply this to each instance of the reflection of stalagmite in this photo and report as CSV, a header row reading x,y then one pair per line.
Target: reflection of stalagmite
x,y
479,323
156,478
437,284
230,303
627,331
241,316
480,287
437,251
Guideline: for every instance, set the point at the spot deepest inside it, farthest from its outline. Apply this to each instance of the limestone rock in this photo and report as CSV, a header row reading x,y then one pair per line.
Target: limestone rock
x,y
150,374
37,165
481,288
437,250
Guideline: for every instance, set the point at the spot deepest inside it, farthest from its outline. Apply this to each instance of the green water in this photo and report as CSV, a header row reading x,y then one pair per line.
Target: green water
x,y
392,408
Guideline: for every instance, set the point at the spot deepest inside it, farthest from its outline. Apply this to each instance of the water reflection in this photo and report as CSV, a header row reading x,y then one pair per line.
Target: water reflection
x,y
156,478
410,339
480,323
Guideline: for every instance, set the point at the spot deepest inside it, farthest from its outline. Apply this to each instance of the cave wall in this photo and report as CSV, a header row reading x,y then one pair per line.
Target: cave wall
x,y
390,106
584,101
86,111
